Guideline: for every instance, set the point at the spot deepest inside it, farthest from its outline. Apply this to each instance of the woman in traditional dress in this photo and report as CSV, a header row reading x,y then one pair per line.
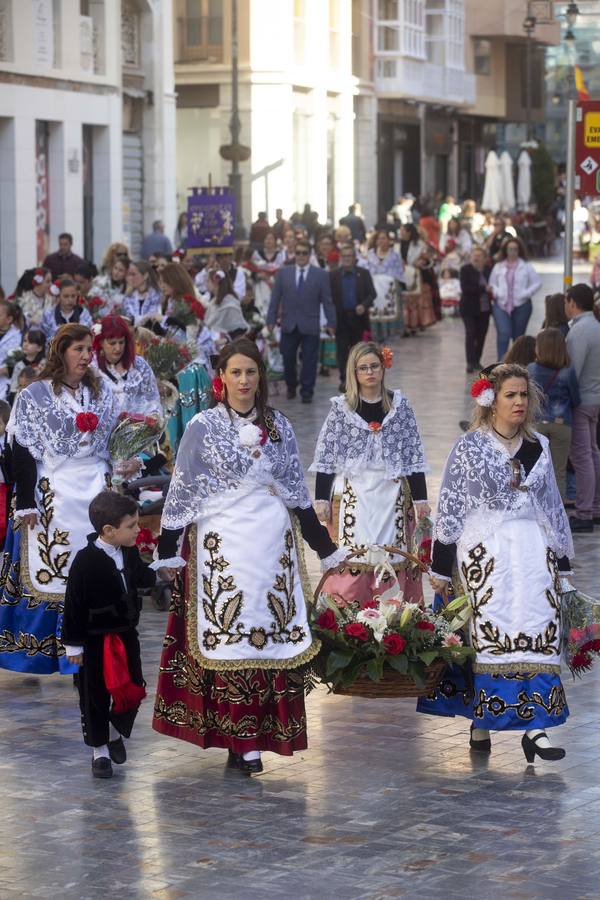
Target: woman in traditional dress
x,y
370,439
129,376
66,309
59,431
11,332
382,260
111,286
32,294
236,641
143,295
264,264
224,311
418,300
501,519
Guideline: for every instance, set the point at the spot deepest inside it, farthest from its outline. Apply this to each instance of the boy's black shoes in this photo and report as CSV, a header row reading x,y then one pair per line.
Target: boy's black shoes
x,y
101,767
117,751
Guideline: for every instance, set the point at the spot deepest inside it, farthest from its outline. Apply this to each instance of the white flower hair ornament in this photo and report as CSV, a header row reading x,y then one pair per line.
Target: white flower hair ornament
x,y
219,275
482,392
54,288
96,329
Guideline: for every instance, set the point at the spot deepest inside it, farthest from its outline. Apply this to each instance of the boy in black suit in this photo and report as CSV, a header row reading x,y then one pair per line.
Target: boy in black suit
x,y
102,610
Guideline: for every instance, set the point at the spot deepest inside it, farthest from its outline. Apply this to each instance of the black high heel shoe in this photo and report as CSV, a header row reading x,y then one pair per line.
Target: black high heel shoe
x,y
530,748
484,746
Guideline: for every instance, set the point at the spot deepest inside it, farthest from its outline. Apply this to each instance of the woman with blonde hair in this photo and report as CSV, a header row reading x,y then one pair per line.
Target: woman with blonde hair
x,y
557,380
112,253
500,518
371,442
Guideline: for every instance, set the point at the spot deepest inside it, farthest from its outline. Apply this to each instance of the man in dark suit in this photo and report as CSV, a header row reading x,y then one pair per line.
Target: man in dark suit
x,y
475,306
298,293
353,292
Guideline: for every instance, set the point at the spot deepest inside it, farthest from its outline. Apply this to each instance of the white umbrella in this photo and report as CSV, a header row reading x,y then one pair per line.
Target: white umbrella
x,y
508,185
492,199
524,179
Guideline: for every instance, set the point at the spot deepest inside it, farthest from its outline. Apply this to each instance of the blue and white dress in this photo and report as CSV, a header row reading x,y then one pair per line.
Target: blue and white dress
x,y
137,306
501,519
59,470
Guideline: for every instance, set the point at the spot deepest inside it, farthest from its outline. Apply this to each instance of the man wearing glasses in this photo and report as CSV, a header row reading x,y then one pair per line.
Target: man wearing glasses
x,y
353,294
298,293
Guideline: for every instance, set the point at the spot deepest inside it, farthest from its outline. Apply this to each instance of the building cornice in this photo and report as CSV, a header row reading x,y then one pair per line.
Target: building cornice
x,y
57,84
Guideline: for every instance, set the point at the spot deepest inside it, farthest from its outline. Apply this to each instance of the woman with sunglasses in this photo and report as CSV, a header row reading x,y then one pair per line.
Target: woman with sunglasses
x,y
370,439
501,519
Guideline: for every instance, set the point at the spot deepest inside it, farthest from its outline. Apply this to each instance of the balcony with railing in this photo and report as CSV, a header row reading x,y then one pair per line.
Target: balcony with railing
x,y
200,39
421,80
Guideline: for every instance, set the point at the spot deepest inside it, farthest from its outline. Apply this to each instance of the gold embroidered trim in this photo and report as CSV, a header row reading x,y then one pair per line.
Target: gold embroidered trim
x,y
49,596
232,665
516,667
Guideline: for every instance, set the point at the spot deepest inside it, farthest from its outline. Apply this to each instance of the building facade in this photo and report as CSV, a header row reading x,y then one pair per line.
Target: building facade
x,y
295,102
78,80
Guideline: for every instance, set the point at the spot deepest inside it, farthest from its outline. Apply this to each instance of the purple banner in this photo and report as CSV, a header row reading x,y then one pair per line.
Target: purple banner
x,y
211,215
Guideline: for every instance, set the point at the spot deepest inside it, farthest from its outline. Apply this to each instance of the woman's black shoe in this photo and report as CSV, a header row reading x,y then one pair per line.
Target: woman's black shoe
x,y
234,760
530,748
484,746
251,766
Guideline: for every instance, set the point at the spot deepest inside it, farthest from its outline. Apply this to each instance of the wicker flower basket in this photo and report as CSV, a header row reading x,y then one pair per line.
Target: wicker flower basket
x,y
393,684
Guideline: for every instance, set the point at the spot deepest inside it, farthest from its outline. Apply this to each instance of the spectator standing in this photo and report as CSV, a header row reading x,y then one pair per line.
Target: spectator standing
x,y
557,380
157,241
355,223
513,283
298,293
181,231
259,230
583,346
494,241
555,314
353,293
475,306
64,261
280,225
522,352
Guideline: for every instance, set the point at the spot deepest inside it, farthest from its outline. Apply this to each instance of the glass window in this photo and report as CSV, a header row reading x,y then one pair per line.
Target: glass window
x,y
388,10
482,56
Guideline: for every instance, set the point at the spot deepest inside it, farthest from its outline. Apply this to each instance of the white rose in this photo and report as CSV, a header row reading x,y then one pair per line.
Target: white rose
x,y
250,435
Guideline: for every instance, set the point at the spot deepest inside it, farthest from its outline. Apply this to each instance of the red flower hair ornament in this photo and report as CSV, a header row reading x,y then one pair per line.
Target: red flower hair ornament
x,y
482,392
387,357
218,389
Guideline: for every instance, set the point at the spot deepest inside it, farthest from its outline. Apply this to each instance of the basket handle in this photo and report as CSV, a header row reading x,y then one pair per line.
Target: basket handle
x,y
396,551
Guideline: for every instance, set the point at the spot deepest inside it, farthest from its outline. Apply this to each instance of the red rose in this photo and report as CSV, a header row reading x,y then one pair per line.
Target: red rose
x,y
393,644
425,551
328,621
370,604
581,661
375,426
145,536
425,626
151,421
590,645
358,631
86,421
218,388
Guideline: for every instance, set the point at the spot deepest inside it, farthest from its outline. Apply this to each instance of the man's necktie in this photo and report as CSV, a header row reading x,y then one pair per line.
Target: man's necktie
x,y
301,280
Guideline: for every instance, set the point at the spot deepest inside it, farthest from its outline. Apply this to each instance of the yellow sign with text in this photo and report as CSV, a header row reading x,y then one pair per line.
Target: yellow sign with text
x,y
591,129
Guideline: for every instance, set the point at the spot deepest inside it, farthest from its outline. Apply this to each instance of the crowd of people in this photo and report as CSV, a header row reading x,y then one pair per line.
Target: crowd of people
x,y
187,350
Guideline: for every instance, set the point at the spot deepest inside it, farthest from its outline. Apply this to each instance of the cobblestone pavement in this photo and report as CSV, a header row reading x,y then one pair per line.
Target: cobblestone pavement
x,y
384,804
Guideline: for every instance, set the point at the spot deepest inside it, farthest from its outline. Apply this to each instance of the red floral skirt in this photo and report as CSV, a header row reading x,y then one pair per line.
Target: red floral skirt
x,y
250,709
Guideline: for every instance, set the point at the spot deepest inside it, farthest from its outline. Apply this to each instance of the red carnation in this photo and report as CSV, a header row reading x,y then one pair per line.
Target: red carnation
x,y
590,645
581,661
86,421
370,604
217,388
328,621
481,385
394,644
358,631
151,421
425,551
145,536
425,626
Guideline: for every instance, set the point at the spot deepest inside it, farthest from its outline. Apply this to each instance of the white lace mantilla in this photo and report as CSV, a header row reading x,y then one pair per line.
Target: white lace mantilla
x,y
211,461
476,495
136,390
44,422
346,444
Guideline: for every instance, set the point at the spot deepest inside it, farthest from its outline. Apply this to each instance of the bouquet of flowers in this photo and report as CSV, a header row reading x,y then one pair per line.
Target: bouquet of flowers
x,y
580,631
146,542
386,633
132,435
96,307
12,358
187,311
166,358
423,539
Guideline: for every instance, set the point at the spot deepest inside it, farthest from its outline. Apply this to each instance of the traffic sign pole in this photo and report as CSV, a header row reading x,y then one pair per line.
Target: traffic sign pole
x,y
570,195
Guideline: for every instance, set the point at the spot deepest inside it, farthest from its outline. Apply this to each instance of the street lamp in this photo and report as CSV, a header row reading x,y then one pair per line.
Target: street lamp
x,y
528,27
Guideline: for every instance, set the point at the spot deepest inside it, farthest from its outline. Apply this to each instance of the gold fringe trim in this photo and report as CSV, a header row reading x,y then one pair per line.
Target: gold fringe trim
x,y
516,668
235,665
25,575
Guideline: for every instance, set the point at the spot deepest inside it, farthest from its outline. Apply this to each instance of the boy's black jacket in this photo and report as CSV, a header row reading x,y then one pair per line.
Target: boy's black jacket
x,y
96,601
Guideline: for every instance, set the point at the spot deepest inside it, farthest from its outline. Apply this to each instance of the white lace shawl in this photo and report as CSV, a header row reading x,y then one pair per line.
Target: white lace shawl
x,y
44,422
138,391
476,494
211,461
347,445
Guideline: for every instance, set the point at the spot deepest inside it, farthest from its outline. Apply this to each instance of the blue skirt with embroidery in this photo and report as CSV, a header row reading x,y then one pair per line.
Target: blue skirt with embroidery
x,y
29,625
511,701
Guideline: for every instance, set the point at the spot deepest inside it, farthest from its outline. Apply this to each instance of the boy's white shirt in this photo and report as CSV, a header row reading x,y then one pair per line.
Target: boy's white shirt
x,y
116,554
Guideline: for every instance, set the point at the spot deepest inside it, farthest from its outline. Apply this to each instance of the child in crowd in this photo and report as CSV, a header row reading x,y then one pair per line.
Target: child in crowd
x,y
450,292
101,613
32,353
11,325
67,307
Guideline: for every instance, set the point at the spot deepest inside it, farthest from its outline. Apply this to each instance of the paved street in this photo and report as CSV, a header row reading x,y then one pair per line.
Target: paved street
x,y
384,804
